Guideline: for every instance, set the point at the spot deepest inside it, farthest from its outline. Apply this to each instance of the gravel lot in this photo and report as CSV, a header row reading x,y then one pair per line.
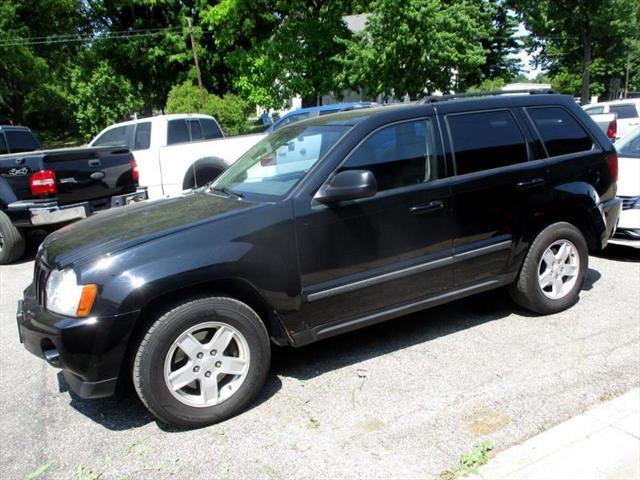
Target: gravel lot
x,y
403,399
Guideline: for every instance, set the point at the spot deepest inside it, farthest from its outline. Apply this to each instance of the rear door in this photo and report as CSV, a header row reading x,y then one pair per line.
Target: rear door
x,y
495,189
364,256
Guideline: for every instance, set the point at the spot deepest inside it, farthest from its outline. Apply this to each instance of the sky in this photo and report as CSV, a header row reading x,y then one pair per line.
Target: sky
x,y
526,59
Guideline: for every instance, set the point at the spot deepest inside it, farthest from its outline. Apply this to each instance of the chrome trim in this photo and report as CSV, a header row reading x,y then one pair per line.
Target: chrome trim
x,y
496,247
404,272
385,277
56,214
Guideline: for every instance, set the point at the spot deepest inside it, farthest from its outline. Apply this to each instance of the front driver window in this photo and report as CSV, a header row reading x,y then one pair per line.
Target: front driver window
x,y
399,155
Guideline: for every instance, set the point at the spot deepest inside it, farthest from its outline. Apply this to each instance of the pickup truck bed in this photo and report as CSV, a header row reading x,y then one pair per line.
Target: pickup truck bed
x,y
73,184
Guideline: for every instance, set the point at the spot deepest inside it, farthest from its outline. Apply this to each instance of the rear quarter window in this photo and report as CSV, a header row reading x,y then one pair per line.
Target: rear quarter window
x,y
560,131
210,129
486,140
21,141
624,111
115,137
142,139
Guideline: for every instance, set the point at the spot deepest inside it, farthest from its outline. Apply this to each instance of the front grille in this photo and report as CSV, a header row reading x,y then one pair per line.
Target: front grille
x,y
629,202
40,274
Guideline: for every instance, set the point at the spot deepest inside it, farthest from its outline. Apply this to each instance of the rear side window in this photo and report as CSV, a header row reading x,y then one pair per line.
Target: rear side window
x,y
594,110
560,132
210,129
196,130
398,155
3,144
142,139
624,111
177,132
114,137
21,141
486,140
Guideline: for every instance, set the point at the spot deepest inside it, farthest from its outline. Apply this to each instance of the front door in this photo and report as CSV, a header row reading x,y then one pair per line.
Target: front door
x,y
364,256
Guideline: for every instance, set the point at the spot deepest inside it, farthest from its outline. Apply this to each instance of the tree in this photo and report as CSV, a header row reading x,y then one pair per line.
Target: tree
x,y
92,99
415,47
230,110
36,56
570,36
280,48
500,45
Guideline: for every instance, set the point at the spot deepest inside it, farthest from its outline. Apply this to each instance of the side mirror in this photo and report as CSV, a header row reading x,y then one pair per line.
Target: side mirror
x,y
348,185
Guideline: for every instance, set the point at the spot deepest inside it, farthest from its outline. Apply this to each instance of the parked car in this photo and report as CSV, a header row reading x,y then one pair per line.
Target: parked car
x,y
312,112
608,123
627,113
389,211
46,188
628,231
176,152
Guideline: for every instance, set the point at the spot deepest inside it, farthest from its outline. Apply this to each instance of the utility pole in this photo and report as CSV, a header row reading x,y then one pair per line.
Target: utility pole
x,y
195,60
626,77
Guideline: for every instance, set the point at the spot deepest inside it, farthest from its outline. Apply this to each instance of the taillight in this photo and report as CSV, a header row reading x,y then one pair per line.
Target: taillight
x,y
612,130
612,164
43,182
134,170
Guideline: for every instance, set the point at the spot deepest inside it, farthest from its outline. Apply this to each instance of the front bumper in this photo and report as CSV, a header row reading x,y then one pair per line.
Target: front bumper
x,y
90,350
34,213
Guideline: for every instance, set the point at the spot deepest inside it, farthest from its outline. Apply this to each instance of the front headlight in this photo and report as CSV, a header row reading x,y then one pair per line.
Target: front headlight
x,y
65,297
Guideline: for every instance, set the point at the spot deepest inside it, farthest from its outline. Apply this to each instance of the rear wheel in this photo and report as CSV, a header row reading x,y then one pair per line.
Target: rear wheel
x,y
202,362
553,271
12,242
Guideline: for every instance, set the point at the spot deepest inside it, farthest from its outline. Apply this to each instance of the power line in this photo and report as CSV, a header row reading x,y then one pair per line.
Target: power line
x,y
58,39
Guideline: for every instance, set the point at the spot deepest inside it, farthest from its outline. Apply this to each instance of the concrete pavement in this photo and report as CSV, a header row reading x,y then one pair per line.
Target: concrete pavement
x,y
602,443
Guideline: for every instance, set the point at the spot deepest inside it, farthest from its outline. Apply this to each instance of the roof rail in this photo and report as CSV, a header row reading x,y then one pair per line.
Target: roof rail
x,y
453,96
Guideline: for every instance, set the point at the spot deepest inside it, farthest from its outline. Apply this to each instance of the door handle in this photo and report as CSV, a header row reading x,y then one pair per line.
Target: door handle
x,y
534,182
94,162
427,207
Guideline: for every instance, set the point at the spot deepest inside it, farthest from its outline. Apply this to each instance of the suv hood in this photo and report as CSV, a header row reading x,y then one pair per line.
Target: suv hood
x,y
124,227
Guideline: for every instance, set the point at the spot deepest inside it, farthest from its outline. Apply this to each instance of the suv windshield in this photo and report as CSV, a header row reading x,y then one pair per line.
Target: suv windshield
x,y
278,162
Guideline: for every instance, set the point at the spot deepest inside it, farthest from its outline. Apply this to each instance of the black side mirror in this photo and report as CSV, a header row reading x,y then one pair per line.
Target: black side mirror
x,y
348,185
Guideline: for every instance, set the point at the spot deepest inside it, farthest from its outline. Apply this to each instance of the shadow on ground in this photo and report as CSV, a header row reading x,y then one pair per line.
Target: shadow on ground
x,y
621,253
125,411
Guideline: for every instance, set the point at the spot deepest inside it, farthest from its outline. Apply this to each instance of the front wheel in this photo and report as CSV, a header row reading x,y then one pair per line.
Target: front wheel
x,y
553,271
202,362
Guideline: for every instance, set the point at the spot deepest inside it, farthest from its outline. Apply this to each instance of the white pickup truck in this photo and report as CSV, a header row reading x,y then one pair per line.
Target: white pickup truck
x,y
627,115
176,152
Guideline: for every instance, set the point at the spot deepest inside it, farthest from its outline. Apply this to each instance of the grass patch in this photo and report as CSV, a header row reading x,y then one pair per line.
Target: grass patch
x,y
38,472
84,473
469,462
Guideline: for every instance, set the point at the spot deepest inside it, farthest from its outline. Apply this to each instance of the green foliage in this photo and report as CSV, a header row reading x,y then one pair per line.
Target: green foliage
x,y
231,111
415,47
569,35
92,99
277,49
488,85
568,83
469,462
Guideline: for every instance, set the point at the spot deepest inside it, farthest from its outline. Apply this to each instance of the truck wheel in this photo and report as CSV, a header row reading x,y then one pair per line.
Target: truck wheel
x,y
12,243
553,271
202,362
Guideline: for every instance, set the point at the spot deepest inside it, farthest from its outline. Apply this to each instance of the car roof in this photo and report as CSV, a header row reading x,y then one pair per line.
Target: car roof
x,y
14,127
624,101
156,118
397,112
333,106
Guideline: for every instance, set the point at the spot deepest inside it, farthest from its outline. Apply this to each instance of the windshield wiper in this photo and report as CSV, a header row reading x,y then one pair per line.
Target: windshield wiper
x,y
227,191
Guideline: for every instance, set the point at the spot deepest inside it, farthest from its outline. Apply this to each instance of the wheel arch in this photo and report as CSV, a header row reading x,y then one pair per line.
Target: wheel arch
x,y
199,171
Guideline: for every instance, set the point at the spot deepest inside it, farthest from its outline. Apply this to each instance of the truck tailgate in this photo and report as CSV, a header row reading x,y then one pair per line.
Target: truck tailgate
x,y
90,173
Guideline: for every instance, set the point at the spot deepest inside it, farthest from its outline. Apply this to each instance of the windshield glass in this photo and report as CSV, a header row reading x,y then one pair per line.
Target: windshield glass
x,y
629,145
277,163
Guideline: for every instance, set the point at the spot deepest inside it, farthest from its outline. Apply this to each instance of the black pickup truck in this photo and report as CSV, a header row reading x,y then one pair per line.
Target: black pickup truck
x,y
44,188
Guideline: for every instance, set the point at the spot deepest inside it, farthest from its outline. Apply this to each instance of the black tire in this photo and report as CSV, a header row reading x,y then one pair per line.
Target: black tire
x,y
526,290
148,363
12,242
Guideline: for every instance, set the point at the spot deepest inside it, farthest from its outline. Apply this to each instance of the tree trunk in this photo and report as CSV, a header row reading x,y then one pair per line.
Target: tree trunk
x,y
586,62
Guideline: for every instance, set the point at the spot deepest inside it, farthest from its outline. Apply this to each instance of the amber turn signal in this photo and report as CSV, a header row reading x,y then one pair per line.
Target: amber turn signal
x,y
86,300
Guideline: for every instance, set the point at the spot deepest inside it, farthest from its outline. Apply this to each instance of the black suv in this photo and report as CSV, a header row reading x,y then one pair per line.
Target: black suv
x,y
324,226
